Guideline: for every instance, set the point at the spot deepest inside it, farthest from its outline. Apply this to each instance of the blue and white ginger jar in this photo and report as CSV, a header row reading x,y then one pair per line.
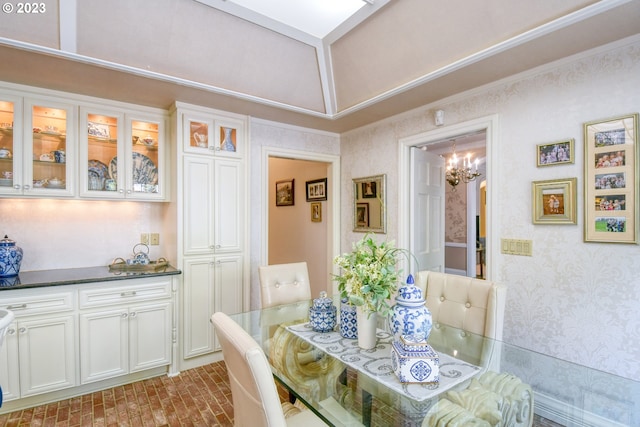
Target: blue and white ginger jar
x,y
322,314
10,258
348,320
409,315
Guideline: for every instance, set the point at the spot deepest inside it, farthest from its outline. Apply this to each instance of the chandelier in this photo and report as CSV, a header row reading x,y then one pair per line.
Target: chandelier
x,y
465,174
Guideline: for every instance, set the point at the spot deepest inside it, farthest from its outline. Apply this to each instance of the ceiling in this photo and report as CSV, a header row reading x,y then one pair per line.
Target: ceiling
x,y
388,57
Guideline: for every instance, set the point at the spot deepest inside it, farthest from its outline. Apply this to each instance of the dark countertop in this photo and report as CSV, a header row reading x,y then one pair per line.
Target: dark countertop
x,y
72,276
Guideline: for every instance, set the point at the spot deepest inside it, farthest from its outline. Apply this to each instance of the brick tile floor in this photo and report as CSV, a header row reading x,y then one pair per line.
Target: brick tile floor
x,y
197,397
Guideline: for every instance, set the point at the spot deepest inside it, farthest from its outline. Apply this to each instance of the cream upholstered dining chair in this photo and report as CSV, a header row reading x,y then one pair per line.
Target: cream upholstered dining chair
x,y
285,288
284,283
473,305
255,397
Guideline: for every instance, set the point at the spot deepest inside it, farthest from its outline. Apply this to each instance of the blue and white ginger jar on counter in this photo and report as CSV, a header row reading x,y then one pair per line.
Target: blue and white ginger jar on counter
x,y
322,314
409,315
10,258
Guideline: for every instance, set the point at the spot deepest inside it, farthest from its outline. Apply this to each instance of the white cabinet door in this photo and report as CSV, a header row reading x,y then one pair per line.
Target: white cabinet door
x,y
198,201
149,336
105,349
210,285
228,279
198,306
213,213
47,354
9,363
228,210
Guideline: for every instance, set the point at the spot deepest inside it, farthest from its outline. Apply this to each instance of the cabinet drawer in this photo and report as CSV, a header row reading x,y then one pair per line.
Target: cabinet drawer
x,y
104,296
27,305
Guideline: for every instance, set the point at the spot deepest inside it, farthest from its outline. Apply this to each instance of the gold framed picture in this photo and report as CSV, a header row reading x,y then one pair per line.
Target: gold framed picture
x,y
316,212
554,201
610,176
556,153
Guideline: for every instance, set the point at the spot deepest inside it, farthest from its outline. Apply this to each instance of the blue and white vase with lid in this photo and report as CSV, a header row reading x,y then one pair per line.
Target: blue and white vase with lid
x,y
10,257
410,315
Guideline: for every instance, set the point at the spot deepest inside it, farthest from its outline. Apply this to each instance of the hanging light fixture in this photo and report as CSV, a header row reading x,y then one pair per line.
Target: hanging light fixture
x,y
465,174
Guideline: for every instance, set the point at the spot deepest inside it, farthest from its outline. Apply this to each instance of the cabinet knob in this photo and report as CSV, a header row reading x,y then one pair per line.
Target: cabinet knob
x,y
11,331
27,187
129,191
125,315
22,330
212,148
212,247
134,314
121,191
17,186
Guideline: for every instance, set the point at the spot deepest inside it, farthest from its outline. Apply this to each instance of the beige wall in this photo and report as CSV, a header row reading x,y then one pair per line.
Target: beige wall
x,y
293,237
567,300
80,233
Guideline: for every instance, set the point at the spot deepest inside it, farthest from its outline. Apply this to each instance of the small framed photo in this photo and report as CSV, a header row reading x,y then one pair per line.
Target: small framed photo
x,y
285,192
369,189
316,212
556,153
610,176
362,214
317,190
554,201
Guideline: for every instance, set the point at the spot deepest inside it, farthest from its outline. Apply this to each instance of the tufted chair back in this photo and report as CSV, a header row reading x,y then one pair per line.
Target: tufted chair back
x,y
284,283
473,305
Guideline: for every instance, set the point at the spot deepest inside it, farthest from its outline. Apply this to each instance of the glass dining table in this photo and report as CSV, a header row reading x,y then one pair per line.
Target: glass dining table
x,y
482,382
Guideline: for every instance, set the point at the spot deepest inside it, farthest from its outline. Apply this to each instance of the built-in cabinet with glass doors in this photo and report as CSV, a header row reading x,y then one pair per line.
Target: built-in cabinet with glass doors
x,y
62,147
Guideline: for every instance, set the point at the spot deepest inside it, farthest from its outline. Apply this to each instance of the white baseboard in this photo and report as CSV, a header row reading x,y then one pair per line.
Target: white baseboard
x,y
569,416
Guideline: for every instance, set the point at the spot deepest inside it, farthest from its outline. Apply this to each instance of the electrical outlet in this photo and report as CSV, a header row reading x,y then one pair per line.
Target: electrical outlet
x,y
144,238
155,238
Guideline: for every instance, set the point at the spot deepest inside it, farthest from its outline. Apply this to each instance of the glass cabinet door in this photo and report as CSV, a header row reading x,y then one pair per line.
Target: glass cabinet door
x,y
229,137
8,169
145,157
48,158
101,133
198,134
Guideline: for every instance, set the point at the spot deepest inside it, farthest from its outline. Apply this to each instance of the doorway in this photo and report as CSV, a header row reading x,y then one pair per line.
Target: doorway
x,y
289,233
477,193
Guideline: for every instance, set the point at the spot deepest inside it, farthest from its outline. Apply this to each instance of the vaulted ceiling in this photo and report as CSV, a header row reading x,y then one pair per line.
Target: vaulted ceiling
x,y
391,56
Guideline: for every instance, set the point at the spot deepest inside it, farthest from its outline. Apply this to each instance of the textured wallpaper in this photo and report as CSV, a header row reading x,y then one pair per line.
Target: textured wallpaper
x,y
572,300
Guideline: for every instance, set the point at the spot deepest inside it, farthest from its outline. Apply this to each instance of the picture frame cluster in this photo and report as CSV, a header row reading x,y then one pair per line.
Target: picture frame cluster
x,y
610,182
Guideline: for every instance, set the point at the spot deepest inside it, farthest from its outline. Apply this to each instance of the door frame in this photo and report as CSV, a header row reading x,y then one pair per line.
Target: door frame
x,y
332,216
490,125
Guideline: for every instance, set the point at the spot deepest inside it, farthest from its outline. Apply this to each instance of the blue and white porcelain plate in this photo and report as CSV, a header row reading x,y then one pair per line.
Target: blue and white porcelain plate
x,y
143,170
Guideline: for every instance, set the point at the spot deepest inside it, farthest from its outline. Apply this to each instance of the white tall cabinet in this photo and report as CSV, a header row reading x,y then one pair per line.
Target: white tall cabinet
x,y
211,215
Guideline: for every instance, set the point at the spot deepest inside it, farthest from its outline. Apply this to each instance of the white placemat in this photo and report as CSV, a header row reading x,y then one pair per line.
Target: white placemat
x,y
376,362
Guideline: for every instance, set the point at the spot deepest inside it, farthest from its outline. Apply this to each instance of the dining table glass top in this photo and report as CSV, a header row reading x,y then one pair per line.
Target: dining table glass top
x,y
482,381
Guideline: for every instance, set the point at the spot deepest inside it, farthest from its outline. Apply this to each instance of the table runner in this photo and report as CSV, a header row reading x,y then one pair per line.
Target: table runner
x,y
376,362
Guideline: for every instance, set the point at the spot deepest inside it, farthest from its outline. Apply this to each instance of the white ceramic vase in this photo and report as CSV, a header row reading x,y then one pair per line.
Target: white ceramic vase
x,y
367,322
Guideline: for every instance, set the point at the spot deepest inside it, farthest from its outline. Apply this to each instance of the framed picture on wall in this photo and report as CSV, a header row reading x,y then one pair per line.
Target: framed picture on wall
x,y
369,190
317,190
285,192
556,153
316,212
554,201
362,214
610,174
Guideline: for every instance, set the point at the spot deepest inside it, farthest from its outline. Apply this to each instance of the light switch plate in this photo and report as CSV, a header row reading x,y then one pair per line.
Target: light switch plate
x,y
154,239
144,238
